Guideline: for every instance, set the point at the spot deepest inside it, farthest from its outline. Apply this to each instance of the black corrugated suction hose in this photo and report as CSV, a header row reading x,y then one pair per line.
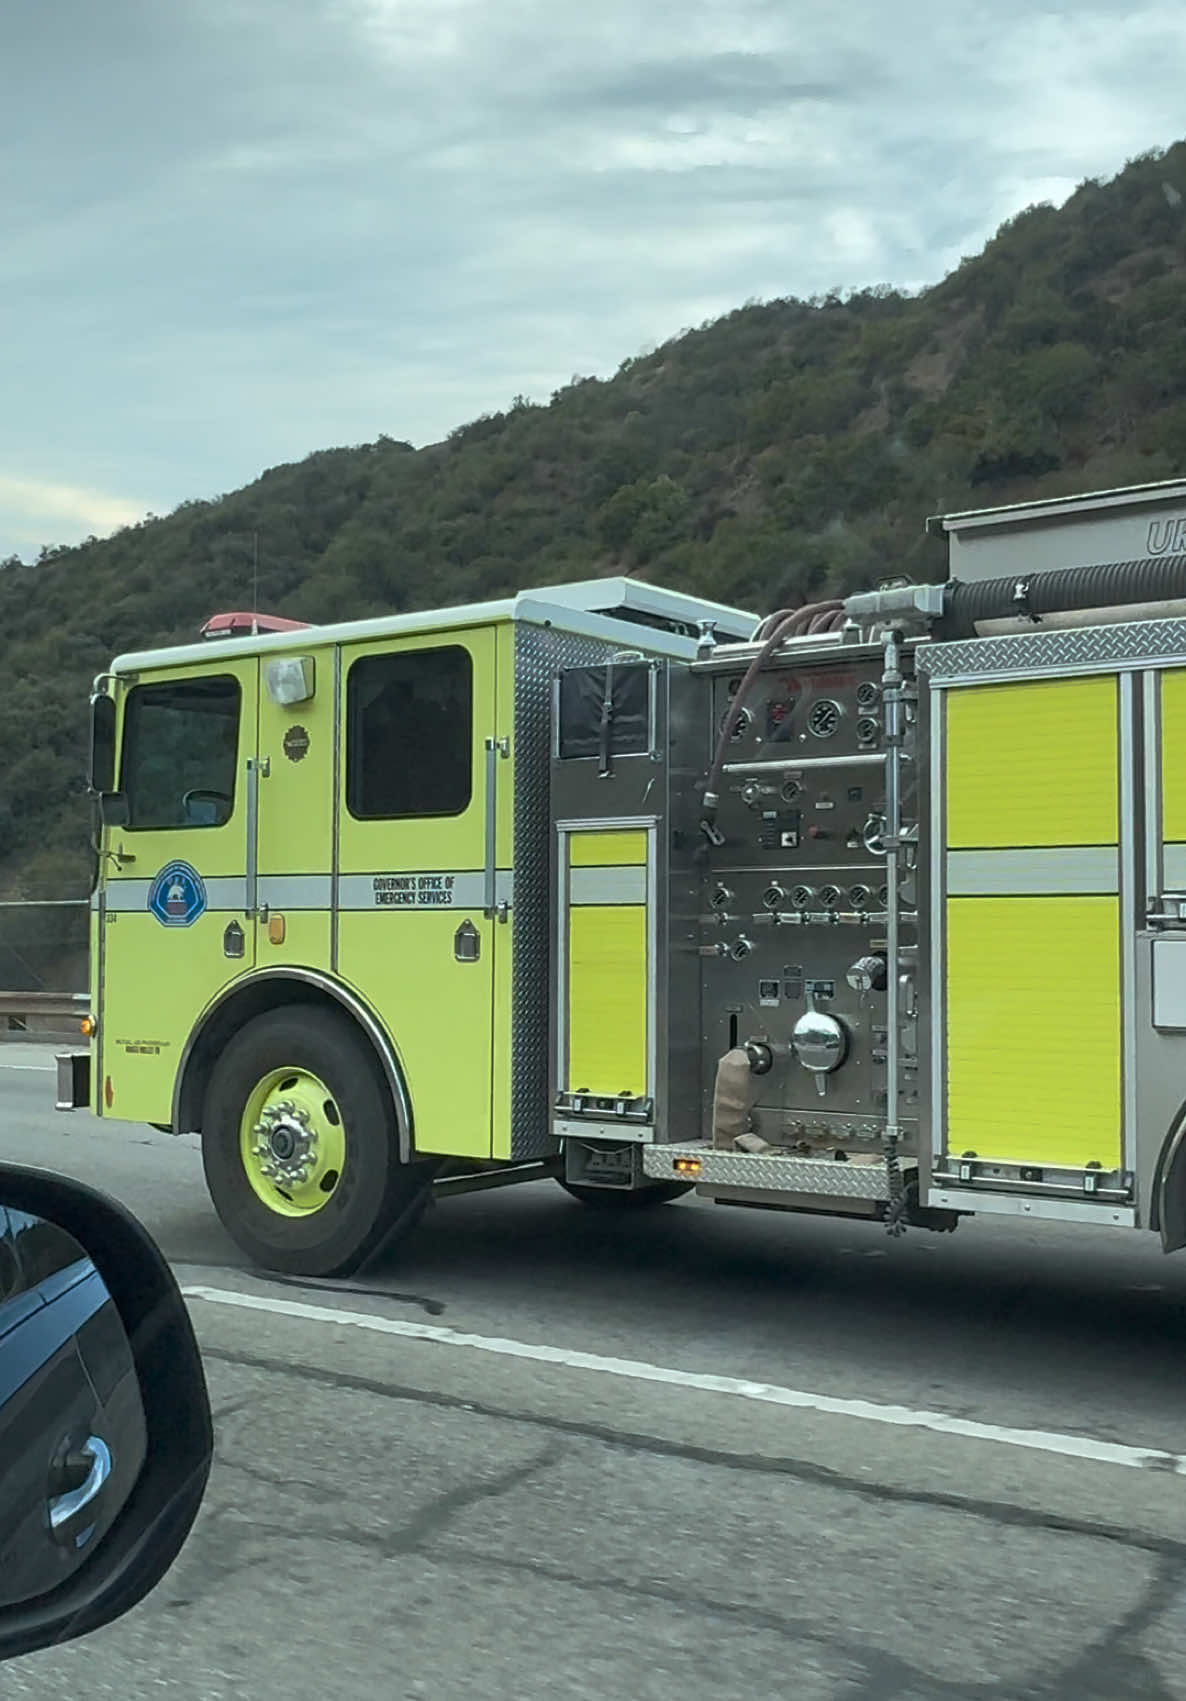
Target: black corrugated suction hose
x,y
1116,584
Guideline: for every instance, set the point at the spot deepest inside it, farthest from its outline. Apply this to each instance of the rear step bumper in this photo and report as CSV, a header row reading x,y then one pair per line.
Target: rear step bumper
x,y
821,1177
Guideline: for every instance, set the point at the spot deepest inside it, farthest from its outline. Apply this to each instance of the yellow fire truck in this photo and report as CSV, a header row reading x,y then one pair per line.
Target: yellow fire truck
x,y
875,908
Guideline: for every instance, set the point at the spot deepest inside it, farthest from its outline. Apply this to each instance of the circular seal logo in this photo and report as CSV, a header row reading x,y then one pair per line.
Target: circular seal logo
x,y
178,895
296,743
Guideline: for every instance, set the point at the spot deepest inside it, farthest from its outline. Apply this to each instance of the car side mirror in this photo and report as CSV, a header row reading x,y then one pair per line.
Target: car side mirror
x,y
105,1428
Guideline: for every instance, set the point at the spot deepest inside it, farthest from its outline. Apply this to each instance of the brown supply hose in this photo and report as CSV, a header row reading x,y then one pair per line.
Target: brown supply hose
x,y
829,619
764,627
815,617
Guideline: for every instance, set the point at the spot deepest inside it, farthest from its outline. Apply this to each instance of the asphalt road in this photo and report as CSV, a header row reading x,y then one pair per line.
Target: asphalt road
x,y
681,1456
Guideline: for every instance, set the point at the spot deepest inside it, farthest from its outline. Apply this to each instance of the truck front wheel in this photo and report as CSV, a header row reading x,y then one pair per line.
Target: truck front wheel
x,y
300,1146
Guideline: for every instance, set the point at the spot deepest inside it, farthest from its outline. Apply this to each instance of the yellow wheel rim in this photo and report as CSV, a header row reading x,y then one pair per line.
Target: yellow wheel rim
x,y
292,1142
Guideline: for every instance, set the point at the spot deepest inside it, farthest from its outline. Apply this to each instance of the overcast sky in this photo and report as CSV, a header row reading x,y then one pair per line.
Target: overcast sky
x,y
234,231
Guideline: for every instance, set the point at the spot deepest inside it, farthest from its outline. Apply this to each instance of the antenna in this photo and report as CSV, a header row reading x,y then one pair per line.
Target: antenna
x,y
254,583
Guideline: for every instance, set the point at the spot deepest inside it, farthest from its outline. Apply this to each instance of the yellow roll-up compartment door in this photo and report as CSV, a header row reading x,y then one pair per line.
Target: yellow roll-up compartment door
x,y
606,992
1032,961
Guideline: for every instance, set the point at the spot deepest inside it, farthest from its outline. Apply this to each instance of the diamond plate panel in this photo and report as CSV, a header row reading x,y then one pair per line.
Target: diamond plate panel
x,y
539,652
1131,644
821,1176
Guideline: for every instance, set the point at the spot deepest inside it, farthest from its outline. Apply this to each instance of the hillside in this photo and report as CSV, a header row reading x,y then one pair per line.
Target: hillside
x,y
791,446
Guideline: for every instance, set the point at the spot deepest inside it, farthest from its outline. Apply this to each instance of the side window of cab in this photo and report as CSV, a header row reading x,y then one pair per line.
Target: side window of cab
x,y
180,753
409,734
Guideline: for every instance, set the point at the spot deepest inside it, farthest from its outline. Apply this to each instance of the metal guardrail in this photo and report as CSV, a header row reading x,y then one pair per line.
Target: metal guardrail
x,y
42,1015
44,950
43,1004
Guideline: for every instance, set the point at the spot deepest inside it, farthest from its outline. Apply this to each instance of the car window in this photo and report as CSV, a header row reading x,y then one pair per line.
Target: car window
x,y
37,1251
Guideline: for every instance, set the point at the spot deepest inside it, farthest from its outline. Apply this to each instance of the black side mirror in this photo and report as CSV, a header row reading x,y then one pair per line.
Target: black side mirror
x,y
102,764
113,808
105,1429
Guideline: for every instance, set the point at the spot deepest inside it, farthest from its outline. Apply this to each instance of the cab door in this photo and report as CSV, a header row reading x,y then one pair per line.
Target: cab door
x,y
294,823
174,928
417,919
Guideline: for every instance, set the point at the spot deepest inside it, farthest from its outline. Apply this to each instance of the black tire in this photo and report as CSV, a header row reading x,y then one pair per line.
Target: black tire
x,y
375,1195
627,1198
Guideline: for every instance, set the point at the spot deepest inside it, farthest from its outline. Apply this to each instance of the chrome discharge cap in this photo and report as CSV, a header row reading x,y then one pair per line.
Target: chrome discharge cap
x,y
819,1042
867,974
761,1058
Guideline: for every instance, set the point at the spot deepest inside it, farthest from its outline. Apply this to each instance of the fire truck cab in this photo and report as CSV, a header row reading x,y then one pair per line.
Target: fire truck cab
x,y
323,903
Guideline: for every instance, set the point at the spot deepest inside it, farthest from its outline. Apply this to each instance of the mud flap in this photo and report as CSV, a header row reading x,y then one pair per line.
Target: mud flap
x,y
406,1218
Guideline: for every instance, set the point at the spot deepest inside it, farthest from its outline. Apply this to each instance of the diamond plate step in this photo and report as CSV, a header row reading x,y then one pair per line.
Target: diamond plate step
x,y
822,1176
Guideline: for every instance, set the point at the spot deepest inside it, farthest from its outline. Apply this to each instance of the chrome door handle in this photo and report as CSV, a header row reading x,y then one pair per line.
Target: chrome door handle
x,y
1166,909
67,1511
495,748
258,768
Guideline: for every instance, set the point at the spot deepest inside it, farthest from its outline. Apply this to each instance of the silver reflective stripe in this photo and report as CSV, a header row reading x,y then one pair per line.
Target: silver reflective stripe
x,y
296,891
1175,868
607,886
422,891
223,892
128,894
226,892
1033,873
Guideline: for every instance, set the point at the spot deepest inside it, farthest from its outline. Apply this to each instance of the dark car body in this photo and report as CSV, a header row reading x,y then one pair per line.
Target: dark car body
x,y
72,1427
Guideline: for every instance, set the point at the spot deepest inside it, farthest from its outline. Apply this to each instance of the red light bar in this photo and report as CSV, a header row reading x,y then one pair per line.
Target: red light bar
x,y
243,624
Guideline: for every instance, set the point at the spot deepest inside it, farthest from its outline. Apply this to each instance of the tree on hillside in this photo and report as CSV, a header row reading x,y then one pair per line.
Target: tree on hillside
x,y
787,449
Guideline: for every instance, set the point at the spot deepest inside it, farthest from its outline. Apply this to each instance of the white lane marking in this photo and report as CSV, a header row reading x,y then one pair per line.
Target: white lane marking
x,y
902,1417
32,1068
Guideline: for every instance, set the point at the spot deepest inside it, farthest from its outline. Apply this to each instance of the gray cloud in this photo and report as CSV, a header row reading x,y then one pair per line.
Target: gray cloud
x,y
232,231
735,82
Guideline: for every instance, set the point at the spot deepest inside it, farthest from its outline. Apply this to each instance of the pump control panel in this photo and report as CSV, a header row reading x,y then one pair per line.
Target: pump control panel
x,y
795,919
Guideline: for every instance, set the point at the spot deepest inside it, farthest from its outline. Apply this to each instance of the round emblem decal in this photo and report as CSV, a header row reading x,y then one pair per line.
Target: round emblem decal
x,y
296,743
178,895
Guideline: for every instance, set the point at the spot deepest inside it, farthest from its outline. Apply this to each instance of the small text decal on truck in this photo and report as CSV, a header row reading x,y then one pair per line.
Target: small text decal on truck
x,y
414,891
